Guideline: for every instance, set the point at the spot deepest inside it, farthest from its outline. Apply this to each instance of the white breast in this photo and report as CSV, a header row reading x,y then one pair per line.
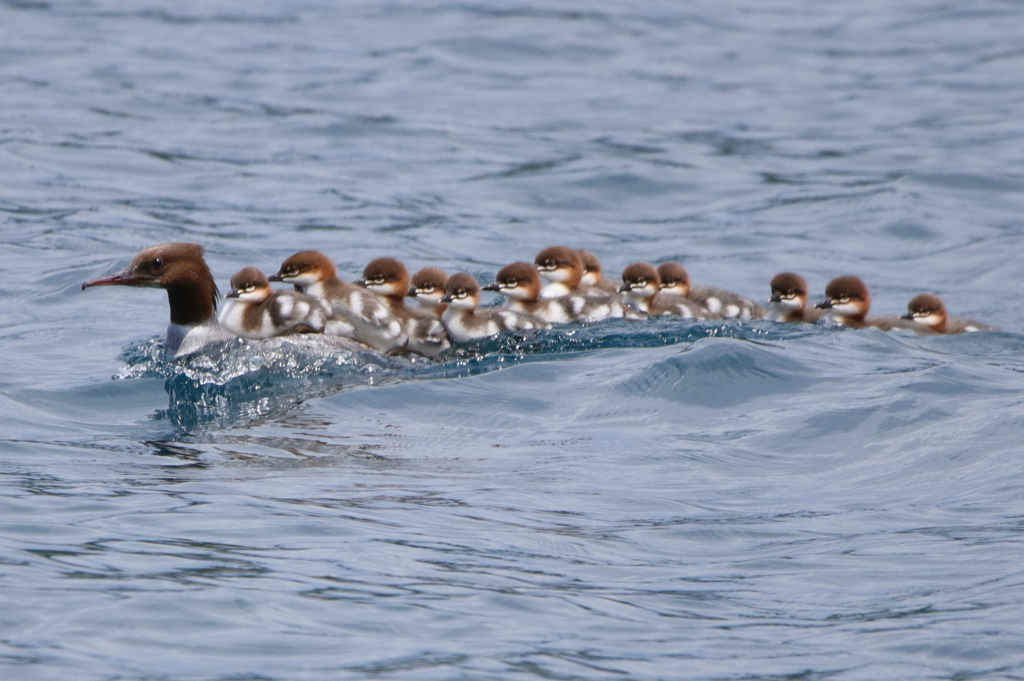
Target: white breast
x,y
554,290
231,315
554,311
184,340
463,326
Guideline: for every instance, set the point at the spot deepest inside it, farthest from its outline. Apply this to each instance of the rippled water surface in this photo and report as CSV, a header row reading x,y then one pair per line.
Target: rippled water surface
x,y
662,500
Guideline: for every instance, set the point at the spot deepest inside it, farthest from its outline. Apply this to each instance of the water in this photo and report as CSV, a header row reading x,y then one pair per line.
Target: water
x,y
665,500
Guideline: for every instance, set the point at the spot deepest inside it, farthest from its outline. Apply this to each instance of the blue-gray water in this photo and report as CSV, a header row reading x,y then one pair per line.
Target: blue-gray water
x,y
654,501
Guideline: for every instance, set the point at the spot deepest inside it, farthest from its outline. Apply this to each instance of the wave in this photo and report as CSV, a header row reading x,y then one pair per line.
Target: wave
x,y
245,380
721,375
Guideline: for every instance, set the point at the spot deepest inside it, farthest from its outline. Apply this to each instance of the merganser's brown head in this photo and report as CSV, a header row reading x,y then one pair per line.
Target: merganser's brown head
x,y
249,285
591,268
846,298
305,268
518,281
927,310
640,281
462,291
386,276
427,286
181,270
675,280
560,264
789,291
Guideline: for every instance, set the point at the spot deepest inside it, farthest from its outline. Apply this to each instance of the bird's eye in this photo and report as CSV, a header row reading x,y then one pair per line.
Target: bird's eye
x,y
668,284
427,289
377,281
510,283
641,282
461,293
844,300
250,288
290,272
157,263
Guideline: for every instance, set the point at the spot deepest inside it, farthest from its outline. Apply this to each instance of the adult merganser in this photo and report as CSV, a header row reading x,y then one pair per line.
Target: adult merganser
x,y
181,270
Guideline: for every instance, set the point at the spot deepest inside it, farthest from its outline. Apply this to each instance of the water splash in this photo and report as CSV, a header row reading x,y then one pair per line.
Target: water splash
x,y
246,380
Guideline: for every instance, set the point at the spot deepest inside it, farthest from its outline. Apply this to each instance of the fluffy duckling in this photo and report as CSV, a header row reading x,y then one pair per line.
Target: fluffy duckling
x,y
847,301
423,330
592,276
929,312
357,312
642,286
253,310
562,267
789,300
465,322
675,281
520,284
427,289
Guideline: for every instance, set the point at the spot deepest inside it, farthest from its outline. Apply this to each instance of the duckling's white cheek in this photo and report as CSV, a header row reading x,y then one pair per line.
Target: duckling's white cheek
x,y
676,291
846,308
516,292
381,289
559,275
790,303
466,303
930,320
232,315
304,279
252,296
